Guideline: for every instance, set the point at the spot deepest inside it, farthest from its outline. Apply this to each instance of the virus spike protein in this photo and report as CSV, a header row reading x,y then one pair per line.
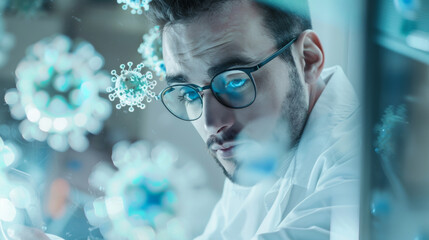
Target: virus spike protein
x,y
132,87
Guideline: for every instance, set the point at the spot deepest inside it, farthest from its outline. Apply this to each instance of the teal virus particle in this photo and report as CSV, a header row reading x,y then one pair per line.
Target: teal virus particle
x,y
140,199
151,52
136,6
57,95
132,87
154,193
6,39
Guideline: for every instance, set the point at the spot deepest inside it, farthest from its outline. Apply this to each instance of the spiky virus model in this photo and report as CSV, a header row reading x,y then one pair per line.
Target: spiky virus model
x,y
150,195
151,52
132,87
57,95
136,6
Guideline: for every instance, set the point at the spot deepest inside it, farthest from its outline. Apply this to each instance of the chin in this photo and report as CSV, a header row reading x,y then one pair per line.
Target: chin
x,y
247,177
229,166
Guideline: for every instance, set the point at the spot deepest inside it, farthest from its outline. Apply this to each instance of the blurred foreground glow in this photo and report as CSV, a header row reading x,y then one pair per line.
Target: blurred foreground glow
x,y
151,52
150,195
58,93
7,210
7,157
136,6
418,40
132,87
20,196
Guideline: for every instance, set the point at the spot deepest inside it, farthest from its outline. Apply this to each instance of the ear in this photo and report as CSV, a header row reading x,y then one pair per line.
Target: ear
x,y
311,55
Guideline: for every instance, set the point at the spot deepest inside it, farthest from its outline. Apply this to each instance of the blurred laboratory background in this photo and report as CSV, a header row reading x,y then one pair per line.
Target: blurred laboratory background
x,y
74,145
396,162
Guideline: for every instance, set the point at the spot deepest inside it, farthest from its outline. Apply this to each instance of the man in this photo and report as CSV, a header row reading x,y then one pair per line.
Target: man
x,y
250,76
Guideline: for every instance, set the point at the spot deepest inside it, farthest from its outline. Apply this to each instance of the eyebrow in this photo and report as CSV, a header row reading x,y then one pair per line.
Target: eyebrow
x,y
180,78
228,63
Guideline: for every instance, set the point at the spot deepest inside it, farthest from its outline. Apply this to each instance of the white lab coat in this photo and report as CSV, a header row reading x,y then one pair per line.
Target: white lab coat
x,y
317,195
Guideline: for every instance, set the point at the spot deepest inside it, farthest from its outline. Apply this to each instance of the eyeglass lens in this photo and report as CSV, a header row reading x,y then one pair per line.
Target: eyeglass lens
x,y
232,88
183,101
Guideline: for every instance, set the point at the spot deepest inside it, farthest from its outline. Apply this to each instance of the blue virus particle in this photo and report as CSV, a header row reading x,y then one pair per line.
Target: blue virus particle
x,y
136,6
140,198
132,87
57,95
6,39
153,193
151,52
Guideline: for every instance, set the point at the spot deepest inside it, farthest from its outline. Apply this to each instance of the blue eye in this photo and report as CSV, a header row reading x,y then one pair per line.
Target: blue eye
x,y
191,96
236,83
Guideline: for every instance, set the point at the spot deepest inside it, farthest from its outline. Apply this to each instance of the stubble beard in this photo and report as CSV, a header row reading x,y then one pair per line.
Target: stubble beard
x,y
294,112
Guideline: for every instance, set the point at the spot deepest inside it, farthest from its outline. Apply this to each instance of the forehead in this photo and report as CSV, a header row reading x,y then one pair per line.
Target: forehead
x,y
234,31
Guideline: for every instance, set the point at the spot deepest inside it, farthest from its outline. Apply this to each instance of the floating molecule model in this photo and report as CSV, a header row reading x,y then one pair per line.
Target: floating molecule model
x,y
58,93
151,51
132,87
6,39
136,6
147,195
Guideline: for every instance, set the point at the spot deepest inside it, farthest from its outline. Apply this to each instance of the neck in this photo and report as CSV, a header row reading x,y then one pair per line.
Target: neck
x,y
315,91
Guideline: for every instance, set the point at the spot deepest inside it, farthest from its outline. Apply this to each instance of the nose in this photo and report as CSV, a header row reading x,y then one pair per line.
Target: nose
x,y
216,116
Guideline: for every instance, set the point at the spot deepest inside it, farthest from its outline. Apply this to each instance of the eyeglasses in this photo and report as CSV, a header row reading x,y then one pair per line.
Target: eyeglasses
x,y
233,88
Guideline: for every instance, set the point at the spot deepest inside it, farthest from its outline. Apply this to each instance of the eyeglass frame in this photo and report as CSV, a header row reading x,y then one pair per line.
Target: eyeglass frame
x,y
247,70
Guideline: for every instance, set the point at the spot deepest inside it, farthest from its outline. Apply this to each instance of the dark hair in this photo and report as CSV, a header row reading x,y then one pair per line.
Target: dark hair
x,y
283,24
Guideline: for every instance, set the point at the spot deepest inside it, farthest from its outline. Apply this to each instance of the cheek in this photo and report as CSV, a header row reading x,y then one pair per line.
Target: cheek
x,y
199,126
272,86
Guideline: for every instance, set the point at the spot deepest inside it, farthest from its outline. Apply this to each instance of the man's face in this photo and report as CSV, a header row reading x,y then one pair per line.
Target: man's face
x,y
235,37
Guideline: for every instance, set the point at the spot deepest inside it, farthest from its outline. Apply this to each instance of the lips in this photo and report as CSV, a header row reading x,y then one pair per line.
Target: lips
x,y
226,153
225,150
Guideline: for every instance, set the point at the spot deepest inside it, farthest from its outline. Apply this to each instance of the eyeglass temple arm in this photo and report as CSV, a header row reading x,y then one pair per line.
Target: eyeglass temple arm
x,y
280,51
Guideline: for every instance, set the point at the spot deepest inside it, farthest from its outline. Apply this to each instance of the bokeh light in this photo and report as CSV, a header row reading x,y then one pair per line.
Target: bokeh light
x,y
149,194
58,93
136,6
17,197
